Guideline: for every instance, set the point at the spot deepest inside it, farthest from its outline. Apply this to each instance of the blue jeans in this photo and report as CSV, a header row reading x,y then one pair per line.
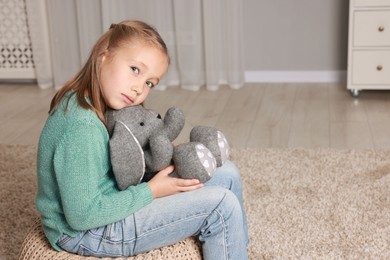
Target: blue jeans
x,y
214,214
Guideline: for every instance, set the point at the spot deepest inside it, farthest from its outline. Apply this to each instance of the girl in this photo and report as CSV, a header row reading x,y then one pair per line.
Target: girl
x,y
82,211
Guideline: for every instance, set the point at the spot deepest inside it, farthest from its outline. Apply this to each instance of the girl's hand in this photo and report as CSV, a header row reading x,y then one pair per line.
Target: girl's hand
x,y
164,185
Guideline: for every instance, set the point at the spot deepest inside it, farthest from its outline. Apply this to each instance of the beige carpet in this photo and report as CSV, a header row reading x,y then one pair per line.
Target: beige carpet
x,y
301,204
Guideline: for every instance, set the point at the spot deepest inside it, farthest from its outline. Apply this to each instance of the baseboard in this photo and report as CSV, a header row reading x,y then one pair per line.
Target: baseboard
x,y
15,74
295,76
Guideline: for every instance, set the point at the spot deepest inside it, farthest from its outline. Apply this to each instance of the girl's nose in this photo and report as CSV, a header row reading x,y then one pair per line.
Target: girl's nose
x,y
138,87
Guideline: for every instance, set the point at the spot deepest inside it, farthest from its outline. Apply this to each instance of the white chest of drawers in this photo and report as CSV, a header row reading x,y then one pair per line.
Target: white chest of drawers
x,y
368,45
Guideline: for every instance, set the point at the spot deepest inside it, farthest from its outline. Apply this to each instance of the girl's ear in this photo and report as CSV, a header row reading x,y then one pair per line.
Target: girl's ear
x,y
104,55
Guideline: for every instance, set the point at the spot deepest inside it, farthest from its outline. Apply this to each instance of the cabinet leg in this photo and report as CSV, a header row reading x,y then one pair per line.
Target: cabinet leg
x,y
355,92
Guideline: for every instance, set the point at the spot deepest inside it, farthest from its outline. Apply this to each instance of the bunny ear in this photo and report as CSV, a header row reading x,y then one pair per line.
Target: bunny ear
x,y
127,157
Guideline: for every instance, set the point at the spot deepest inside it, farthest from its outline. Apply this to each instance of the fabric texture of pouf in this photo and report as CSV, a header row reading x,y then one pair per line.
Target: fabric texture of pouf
x,y
35,246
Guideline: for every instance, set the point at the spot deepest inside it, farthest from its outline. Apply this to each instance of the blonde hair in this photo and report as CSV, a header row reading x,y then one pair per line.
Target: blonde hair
x,y
86,82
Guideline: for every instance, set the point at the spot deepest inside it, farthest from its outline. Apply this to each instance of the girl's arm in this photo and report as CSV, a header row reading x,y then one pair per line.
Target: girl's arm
x,y
163,185
87,188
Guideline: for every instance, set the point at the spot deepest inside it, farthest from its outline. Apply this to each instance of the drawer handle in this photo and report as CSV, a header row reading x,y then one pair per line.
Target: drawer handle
x,y
379,67
381,28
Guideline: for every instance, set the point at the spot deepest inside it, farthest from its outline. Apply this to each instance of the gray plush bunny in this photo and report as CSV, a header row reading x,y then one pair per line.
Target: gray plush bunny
x,y
141,145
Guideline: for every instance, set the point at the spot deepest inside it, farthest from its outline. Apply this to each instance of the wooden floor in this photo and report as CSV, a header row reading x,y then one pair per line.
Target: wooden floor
x,y
258,115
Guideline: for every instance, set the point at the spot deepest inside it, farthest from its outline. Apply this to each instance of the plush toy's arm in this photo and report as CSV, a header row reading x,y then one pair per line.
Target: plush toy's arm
x,y
159,155
174,120
127,157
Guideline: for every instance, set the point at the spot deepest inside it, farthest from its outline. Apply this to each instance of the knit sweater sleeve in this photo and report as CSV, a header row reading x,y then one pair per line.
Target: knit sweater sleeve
x,y
88,194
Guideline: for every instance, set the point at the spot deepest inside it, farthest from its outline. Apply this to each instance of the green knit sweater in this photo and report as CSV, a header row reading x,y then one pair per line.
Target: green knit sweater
x,y
76,186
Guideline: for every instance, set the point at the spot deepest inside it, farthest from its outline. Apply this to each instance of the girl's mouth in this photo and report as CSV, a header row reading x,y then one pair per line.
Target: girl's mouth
x,y
128,100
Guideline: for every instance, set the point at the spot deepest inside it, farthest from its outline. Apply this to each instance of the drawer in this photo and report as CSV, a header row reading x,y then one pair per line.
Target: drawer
x,y
371,67
371,3
371,28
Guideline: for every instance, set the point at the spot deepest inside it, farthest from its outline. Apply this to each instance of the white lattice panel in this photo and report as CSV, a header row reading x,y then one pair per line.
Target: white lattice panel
x,y
16,59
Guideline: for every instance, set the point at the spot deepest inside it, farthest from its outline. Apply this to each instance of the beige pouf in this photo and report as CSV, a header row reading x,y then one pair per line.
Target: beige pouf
x,y
35,246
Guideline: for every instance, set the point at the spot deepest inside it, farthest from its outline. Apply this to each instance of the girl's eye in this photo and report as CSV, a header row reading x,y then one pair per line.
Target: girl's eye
x,y
149,84
135,70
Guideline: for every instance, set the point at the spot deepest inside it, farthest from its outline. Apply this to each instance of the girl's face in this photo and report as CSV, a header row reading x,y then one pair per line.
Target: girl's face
x,y
128,74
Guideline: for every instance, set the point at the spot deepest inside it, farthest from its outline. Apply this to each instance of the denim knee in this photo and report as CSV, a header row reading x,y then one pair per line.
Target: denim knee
x,y
228,210
227,176
222,232
232,171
